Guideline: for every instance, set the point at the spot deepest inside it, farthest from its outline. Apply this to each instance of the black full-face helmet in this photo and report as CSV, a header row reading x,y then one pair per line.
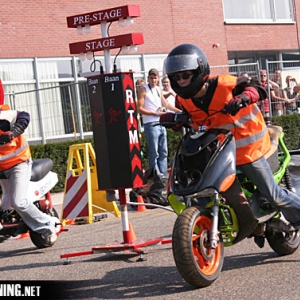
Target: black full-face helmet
x,y
187,57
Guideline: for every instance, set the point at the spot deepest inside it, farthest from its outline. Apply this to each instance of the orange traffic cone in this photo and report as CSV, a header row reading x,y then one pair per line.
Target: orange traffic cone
x,y
70,222
140,208
132,236
23,236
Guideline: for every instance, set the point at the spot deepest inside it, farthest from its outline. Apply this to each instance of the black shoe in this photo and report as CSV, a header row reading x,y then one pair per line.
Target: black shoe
x,y
3,238
259,230
259,241
111,196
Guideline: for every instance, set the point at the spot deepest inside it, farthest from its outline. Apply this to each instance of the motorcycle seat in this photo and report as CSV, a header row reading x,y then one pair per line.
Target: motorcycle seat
x,y
40,168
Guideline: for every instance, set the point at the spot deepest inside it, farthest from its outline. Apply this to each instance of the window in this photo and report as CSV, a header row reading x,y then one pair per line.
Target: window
x,y
291,61
258,11
54,68
16,70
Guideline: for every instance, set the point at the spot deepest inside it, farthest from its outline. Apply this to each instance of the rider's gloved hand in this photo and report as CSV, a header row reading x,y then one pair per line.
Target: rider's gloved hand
x,y
167,118
17,129
6,137
236,103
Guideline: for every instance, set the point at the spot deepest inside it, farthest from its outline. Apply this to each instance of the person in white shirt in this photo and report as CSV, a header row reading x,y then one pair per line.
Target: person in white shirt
x,y
168,92
152,104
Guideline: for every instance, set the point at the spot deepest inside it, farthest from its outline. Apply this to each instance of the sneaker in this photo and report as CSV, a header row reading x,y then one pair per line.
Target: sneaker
x,y
51,239
56,222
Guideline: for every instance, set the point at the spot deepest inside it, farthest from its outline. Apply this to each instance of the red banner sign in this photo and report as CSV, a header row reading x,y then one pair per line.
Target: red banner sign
x,y
108,15
107,43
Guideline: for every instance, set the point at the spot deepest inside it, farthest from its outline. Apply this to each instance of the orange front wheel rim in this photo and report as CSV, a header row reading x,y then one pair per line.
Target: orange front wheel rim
x,y
206,258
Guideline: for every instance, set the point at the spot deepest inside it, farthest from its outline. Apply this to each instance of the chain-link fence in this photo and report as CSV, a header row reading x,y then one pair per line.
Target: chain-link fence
x,y
280,80
58,112
252,69
282,77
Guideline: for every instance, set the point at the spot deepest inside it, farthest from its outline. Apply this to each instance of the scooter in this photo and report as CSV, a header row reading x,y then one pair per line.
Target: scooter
x,y
217,206
41,182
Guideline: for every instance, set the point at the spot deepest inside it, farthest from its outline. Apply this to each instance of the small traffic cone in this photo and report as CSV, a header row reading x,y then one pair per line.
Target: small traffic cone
x,y
132,236
68,222
140,208
71,222
23,235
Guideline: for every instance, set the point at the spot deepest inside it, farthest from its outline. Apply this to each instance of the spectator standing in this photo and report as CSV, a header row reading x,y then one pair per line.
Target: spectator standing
x,y
244,74
276,82
264,105
152,104
275,93
167,91
288,93
297,88
139,84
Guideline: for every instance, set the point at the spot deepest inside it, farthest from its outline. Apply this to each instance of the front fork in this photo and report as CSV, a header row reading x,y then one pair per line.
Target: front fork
x,y
179,207
214,233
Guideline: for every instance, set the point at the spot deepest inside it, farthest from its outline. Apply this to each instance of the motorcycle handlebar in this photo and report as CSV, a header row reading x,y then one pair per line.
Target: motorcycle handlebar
x,y
179,118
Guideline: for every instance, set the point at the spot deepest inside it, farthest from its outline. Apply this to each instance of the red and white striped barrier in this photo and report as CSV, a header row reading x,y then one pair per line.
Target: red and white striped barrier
x,y
82,197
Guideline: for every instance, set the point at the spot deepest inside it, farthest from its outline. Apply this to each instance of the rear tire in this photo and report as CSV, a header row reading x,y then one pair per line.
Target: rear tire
x,y
37,239
197,263
283,243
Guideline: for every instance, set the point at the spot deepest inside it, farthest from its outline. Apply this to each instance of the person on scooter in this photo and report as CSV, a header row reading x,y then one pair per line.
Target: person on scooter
x,y
15,173
204,97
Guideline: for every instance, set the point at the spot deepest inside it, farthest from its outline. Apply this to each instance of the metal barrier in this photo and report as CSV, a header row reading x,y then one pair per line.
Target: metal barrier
x,y
58,112
61,110
280,73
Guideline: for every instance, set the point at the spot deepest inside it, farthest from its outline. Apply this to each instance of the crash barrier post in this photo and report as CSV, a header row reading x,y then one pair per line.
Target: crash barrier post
x,y
82,199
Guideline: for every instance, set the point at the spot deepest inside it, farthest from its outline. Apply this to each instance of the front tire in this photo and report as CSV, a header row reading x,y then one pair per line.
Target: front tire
x,y
37,239
197,263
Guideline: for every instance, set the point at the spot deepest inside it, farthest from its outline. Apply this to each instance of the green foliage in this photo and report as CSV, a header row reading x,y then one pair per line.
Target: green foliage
x,y
291,129
174,138
59,152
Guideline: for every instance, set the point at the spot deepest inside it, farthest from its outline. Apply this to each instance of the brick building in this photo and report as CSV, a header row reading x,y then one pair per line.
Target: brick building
x,y
38,28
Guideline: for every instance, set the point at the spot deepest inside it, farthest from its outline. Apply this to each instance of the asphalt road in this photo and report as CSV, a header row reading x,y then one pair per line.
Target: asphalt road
x,y
248,272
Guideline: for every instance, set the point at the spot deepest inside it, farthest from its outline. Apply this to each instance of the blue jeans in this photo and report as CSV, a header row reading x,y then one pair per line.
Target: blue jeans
x,y
156,137
259,172
14,195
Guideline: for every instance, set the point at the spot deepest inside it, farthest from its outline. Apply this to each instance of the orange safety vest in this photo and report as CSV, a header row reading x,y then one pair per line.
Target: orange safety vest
x,y
248,125
13,153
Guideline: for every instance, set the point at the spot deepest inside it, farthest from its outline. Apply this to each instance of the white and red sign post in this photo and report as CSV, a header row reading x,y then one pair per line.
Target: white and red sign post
x,y
114,116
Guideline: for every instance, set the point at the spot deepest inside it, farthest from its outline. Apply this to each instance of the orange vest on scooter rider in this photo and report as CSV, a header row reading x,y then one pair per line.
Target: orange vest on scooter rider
x,y
248,125
13,153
